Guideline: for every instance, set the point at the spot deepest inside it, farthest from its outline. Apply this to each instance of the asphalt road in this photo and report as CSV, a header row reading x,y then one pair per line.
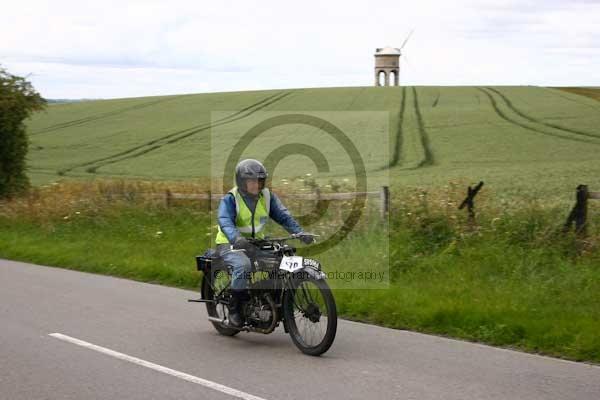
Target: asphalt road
x,y
147,342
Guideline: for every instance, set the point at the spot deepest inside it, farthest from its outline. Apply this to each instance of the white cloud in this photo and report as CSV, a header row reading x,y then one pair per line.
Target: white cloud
x,y
134,48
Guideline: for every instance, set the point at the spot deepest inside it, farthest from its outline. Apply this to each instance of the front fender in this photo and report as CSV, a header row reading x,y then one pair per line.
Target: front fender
x,y
308,272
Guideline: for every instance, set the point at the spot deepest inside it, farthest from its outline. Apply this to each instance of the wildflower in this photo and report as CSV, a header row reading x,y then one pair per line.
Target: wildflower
x,y
66,217
77,212
308,174
158,234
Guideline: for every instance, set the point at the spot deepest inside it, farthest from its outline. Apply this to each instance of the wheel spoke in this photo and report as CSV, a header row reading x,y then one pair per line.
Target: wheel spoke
x,y
308,302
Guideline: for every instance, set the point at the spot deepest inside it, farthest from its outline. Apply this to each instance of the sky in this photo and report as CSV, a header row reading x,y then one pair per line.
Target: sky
x,y
112,49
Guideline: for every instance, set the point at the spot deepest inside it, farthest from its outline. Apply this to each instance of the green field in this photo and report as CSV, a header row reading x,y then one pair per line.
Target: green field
x,y
512,279
532,141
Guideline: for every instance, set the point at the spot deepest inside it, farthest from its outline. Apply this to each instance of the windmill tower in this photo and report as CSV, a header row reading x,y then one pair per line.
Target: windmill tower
x,y
387,64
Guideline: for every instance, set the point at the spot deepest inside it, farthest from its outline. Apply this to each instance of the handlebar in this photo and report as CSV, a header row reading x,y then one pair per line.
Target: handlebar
x,y
282,239
268,240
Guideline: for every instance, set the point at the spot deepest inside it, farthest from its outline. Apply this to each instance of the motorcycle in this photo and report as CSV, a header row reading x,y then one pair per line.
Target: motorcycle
x,y
284,288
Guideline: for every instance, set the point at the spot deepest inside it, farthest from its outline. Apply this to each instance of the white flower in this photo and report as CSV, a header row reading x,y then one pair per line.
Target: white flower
x,y
308,174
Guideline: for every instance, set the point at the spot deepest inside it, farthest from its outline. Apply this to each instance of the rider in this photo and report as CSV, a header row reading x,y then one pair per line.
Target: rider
x,y
243,213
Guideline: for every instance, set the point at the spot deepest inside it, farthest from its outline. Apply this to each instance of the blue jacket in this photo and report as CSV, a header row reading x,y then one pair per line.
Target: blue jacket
x,y
277,212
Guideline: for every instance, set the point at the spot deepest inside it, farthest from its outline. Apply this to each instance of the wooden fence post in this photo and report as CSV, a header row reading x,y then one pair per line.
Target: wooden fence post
x,y
210,200
316,209
168,198
579,212
469,201
384,204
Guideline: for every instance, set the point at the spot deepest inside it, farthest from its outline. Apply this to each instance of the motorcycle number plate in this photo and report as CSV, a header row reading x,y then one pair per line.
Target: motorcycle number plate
x,y
291,263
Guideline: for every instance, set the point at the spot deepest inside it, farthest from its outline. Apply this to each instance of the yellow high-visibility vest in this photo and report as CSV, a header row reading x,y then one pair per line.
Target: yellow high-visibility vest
x,y
249,224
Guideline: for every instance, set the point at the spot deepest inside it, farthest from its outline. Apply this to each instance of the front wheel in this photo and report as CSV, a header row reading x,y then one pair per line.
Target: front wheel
x,y
311,316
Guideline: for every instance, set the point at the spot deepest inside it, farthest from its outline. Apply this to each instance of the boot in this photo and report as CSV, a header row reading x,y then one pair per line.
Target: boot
x,y
235,308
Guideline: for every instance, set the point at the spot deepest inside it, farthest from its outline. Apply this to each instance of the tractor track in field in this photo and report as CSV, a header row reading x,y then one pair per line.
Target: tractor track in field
x,y
437,100
559,93
39,170
537,121
429,158
397,154
349,106
96,117
512,121
346,108
174,137
223,121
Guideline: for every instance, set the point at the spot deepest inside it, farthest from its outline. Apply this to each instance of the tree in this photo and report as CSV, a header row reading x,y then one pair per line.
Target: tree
x,y
18,99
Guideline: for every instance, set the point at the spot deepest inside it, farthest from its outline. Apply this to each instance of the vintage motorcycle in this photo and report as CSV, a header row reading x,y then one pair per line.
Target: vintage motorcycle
x,y
284,288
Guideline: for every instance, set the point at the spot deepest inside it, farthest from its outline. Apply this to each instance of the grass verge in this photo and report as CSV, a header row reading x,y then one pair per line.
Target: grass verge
x,y
512,280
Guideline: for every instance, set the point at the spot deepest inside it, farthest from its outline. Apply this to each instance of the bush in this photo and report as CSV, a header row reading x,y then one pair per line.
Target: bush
x,y
18,100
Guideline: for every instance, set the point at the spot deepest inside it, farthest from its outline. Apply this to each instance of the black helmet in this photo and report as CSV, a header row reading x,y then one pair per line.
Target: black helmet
x,y
250,169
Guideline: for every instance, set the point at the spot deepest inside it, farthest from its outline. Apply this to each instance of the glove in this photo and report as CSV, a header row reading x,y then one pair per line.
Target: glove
x,y
306,239
241,243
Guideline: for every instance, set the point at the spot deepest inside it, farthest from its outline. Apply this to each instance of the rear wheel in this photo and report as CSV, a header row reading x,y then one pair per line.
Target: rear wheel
x,y
311,316
213,284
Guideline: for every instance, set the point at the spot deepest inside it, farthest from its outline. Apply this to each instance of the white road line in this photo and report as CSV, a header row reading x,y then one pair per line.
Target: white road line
x,y
159,368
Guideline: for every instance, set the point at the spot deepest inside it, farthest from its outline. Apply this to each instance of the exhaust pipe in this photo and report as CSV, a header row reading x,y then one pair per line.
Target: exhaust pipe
x,y
200,301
